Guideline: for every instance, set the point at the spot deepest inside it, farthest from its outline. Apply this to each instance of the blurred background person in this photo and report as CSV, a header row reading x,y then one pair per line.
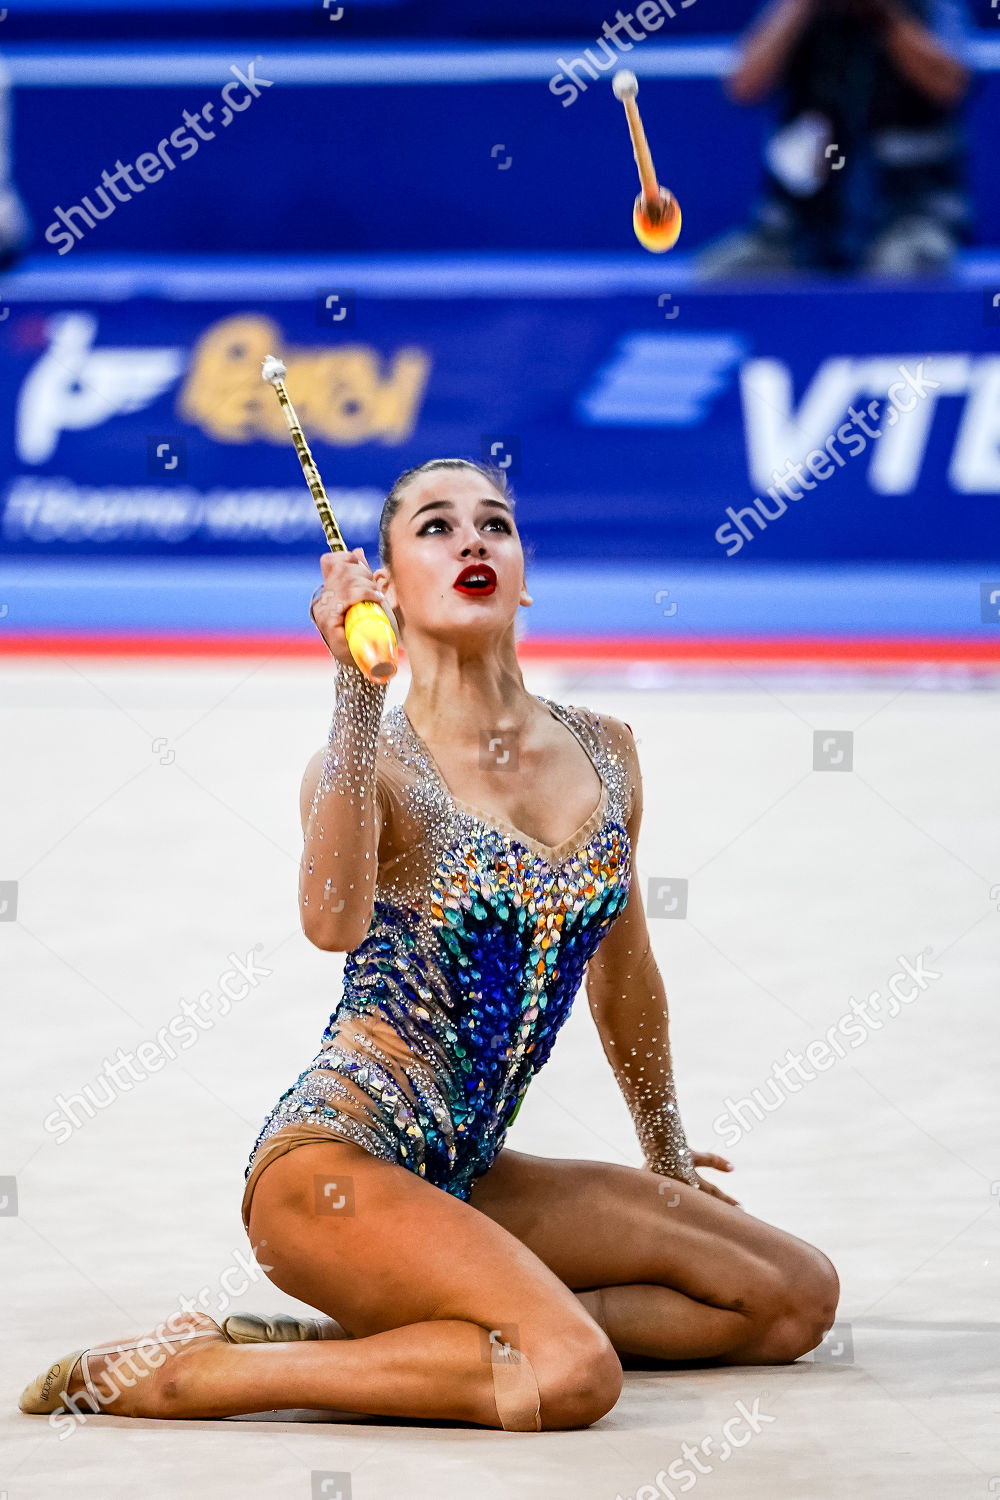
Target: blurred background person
x,y
865,170
15,226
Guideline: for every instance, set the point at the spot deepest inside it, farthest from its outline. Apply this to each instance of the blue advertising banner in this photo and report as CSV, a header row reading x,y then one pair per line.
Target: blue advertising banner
x,y
798,425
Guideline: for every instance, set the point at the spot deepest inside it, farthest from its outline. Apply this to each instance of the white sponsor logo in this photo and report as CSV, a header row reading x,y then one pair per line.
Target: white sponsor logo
x,y
777,429
74,386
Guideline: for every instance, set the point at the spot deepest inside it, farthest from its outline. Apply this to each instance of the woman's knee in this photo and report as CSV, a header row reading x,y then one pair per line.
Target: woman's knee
x,y
799,1313
815,1289
579,1378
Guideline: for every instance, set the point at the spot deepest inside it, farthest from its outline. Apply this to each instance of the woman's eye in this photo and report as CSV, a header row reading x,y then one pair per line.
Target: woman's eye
x,y
493,521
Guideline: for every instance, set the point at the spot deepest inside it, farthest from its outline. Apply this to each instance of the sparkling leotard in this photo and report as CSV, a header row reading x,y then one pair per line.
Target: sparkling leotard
x,y
476,947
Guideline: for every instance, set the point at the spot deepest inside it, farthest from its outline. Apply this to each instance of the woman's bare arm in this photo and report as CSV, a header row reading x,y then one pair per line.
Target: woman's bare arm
x,y
924,59
765,49
342,818
628,1001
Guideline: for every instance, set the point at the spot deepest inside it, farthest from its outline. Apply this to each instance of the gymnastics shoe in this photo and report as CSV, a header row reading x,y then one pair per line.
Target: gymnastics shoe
x,y
250,1328
46,1392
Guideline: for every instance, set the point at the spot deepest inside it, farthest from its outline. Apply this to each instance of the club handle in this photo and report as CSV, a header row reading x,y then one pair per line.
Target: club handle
x,y
641,152
370,636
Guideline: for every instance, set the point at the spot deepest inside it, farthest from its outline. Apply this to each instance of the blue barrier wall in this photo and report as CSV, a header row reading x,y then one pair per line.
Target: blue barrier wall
x,y
494,20
464,148
314,20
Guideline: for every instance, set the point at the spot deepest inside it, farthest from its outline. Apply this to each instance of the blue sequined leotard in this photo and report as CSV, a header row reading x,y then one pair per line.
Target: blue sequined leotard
x,y
476,948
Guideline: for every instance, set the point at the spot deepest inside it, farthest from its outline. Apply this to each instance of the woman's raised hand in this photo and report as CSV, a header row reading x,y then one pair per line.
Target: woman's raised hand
x,y
347,579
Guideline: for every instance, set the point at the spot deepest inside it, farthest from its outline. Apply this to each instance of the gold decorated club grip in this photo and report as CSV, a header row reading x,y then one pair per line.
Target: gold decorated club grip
x,y
371,639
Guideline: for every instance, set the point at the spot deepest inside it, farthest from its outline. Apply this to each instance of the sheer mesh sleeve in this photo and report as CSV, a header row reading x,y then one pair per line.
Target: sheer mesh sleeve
x,y
628,1000
339,863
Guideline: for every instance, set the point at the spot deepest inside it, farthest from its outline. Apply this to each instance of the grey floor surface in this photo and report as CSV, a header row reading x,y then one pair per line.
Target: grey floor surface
x,y
150,822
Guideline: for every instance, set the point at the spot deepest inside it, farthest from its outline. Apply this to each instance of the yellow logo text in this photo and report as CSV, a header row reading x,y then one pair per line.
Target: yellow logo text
x,y
344,394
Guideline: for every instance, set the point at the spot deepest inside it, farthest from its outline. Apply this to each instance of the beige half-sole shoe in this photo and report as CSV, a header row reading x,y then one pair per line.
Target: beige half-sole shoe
x,y
47,1391
251,1328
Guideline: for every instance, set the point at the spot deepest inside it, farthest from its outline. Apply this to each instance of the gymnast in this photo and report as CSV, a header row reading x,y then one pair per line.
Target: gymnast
x,y
470,852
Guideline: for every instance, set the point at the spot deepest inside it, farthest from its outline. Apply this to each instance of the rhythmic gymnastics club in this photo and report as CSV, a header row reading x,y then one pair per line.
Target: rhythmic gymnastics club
x,y
370,635
656,214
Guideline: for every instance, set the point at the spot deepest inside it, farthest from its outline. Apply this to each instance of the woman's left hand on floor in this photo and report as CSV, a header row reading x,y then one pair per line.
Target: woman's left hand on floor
x,y
710,1159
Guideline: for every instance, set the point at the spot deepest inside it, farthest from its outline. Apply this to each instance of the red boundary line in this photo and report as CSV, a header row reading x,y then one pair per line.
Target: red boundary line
x,y
708,651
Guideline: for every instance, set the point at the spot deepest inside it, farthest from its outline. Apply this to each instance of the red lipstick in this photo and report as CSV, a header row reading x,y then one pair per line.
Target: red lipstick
x,y
477,579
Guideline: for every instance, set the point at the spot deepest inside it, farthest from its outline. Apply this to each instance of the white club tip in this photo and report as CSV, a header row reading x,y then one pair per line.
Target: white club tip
x,y
273,369
625,84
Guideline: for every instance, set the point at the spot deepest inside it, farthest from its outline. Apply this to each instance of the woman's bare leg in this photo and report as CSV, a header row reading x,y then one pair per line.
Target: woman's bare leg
x,y
404,1372
418,1280
660,1323
435,1369
681,1274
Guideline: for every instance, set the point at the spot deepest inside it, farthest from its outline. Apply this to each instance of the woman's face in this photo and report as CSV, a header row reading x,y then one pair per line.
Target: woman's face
x,y
448,521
